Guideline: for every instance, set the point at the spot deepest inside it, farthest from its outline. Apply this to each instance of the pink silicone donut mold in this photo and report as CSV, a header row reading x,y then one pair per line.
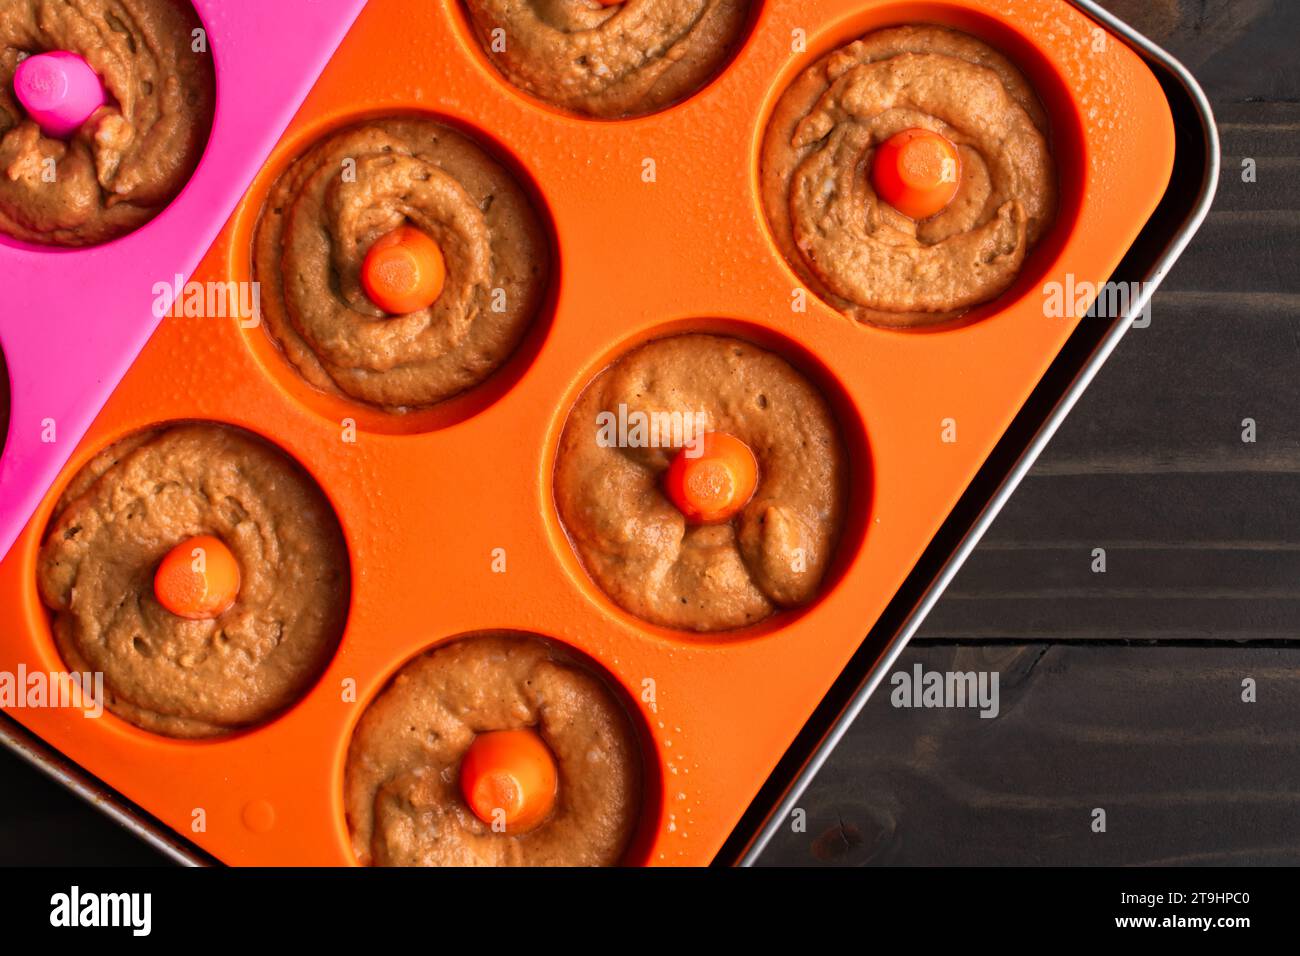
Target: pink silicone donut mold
x,y
73,320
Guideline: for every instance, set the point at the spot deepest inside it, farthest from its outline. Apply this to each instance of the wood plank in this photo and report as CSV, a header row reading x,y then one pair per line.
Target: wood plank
x,y
1243,251
1189,556
1269,133
1101,509
1239,49
1157,737
1128,616
1193,574
1175,393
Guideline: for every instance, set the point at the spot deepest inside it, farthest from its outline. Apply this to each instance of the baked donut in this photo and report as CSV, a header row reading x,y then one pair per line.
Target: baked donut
x,y
860,254
635,543
134,154
357,185
119,517
609,60
403,802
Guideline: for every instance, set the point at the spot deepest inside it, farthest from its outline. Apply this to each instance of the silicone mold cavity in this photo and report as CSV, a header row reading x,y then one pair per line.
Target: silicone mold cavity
x,y
335,407
853,436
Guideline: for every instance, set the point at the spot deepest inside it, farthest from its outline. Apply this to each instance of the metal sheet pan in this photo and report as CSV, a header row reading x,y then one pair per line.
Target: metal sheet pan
x,y
1180,214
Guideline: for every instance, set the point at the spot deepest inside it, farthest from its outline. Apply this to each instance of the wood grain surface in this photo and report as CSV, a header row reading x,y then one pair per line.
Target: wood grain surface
x,y
1119,691
1156,737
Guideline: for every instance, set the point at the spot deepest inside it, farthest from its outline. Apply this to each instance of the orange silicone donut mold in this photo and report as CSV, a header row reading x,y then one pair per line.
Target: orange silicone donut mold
x,y
448,514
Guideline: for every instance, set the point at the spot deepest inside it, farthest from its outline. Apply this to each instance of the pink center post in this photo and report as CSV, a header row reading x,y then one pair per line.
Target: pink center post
x,y
59,91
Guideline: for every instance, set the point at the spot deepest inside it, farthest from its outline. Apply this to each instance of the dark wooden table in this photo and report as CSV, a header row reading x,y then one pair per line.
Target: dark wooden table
x,y
1120,691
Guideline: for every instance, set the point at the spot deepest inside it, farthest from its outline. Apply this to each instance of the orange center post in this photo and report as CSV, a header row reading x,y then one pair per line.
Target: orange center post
x,y
917,172
198,579
404,271
511,773
712,482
